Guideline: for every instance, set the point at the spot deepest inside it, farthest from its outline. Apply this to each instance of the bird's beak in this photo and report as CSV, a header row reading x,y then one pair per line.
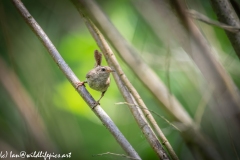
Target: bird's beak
x,y
111,70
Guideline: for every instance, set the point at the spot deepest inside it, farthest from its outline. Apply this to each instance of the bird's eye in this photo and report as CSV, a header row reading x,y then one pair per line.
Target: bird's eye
x,y
103,69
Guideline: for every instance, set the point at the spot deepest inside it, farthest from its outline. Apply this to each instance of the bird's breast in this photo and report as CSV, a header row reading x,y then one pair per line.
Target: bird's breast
x,y
98,83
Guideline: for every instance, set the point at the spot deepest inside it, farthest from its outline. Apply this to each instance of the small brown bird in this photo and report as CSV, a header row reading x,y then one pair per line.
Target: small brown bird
x,y
99,77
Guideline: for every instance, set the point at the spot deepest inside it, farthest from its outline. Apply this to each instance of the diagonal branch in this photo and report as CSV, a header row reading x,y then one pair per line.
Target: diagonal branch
x,y
106,120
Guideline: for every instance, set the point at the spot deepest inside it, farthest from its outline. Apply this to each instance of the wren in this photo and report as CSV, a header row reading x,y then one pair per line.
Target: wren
x,y
99,77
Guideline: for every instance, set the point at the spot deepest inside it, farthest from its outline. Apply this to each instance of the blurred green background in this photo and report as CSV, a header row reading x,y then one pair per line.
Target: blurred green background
x,y
69,122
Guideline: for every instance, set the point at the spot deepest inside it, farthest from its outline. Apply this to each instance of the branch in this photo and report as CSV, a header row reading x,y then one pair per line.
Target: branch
x,y
203,18
227,15
106,120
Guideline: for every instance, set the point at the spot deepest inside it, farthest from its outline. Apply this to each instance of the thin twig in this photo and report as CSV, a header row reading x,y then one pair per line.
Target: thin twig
x,y
119,103
101,114
196,15
115,154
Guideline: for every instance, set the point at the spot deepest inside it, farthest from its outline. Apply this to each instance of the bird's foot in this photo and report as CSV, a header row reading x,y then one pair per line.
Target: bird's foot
x,y
80,84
